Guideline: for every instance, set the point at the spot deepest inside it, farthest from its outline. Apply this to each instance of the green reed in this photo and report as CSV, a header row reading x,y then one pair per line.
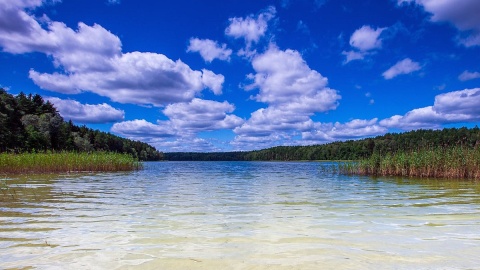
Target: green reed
x,y
66,162
436,162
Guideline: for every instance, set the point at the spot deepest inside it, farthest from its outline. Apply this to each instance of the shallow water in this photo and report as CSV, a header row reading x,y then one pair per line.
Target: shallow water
x,y
237,215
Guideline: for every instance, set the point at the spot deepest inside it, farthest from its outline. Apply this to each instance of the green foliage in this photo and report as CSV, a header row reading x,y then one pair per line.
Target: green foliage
x,y
49,162
29,124
459,162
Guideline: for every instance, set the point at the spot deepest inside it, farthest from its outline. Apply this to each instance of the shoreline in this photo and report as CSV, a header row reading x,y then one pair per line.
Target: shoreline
x,y
66,162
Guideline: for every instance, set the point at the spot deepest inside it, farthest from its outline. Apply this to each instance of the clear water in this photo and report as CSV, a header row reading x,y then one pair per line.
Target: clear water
x,y
237,215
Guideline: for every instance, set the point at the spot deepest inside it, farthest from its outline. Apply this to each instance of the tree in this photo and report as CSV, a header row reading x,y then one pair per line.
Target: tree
x,y
28,123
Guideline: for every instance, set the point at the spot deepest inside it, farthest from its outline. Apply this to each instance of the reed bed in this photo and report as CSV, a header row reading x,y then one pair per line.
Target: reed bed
x,y
66,162
457,162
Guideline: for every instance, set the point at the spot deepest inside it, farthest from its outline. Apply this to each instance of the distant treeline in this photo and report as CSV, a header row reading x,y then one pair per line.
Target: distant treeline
x,y
349,150
211,156
29,124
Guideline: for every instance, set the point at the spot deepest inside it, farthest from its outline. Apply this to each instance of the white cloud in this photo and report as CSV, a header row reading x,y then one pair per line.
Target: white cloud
x,y
465,102
353,55
357,128
186,120
248,142
453,107
293,92
209,49
86,113
284,79
201,115
422,118
366,38
140,128
464,15
264,122
17,27
90,59
90,47
183,144
213,81
139,78
467,75
404,66
363,41
163,136
251,28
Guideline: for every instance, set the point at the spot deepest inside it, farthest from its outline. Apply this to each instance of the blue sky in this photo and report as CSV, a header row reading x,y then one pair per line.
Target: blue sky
x,y
191,75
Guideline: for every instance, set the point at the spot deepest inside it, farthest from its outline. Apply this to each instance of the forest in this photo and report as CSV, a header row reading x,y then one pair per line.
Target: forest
x,y
352,149
29,124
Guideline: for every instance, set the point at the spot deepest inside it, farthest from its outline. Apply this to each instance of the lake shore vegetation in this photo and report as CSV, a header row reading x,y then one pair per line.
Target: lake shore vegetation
x,y
66,162
454,162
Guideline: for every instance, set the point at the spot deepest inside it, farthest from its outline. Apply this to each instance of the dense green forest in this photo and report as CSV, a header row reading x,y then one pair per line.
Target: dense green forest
x,y
350,150
29,124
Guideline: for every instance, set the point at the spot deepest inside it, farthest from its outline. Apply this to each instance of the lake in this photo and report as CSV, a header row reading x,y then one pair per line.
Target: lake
x,y
237,215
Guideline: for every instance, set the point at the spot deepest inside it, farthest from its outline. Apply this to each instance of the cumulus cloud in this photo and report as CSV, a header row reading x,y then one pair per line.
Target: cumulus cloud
x,y
405,66
247,142
453,107
86,113
202,115
366,38
251,28
139,78
363,41
467,75
266,121
186,120
90,59
465,103
293,92
209,49
284,79
213,81
357,128
184,144
464,15
140,128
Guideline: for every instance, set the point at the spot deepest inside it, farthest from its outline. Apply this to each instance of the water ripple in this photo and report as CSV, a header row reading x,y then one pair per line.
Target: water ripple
x,y
250,215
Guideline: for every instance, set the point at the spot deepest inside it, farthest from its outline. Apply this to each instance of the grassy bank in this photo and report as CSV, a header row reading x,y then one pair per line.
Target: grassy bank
x,y
450,162
66,162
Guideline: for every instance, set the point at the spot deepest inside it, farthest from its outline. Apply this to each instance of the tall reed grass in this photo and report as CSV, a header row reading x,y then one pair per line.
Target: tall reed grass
x,y
436,162
66,162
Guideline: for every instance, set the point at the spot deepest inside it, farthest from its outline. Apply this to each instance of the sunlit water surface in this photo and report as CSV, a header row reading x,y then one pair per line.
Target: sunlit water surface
x,y
237,215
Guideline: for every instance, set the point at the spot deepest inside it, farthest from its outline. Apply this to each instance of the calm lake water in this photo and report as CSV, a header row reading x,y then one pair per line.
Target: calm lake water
x,y
237,215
